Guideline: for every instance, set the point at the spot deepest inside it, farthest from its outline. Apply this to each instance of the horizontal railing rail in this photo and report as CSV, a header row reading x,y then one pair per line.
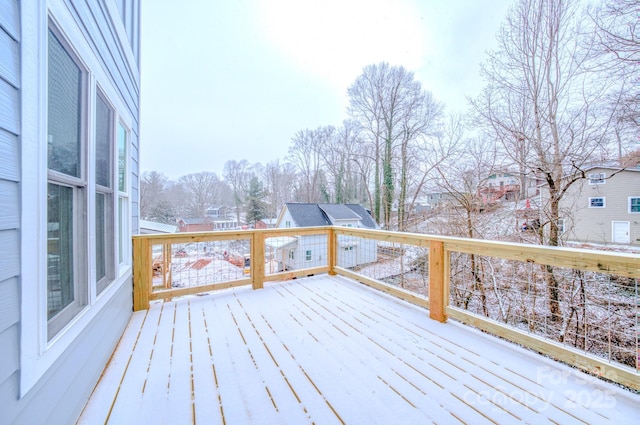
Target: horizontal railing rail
x,y
579,306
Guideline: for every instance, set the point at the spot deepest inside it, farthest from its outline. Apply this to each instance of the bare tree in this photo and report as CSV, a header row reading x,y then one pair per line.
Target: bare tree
x,y
540,93
279,185
394,110
306,155
365,107
617,34
202,191
237,176
419,149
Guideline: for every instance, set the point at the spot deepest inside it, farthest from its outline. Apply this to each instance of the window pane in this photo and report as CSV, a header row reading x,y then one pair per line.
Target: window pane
x,y
122,158
64,110
101,236
634,205
123,226
103,143
60,280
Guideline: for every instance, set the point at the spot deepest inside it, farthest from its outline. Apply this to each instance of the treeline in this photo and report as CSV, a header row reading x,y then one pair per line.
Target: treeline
x,y
561,94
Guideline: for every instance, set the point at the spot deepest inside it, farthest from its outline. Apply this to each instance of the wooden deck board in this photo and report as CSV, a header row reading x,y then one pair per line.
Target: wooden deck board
x,y
327,350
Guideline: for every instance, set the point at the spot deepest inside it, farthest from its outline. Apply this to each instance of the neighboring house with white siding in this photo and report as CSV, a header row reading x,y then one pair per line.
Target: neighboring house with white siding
x,y
69,125
604,207
308,251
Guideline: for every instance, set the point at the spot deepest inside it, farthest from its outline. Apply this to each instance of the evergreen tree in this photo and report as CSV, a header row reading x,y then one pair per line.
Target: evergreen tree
x,y
255,206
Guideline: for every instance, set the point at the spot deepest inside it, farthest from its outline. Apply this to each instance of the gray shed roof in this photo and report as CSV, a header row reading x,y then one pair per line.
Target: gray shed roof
x,y
365,216
307,215
147,226
338,212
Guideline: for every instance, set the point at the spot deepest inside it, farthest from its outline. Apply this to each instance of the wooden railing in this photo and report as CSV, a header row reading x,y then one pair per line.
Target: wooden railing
x,y
576,305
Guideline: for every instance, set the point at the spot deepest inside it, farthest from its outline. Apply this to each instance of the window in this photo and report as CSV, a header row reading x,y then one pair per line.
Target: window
x,y
597,178
87,190
598,202
291,256
560,226
104,193
123,201
287,224
307,255
69,196
634,204
66,188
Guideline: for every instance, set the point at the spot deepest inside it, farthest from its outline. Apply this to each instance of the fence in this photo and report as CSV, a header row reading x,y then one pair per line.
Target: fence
x,y
578,306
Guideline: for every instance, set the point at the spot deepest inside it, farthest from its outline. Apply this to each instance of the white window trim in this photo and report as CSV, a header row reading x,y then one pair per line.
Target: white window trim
x,y
37,354
604,202
600,176
629,205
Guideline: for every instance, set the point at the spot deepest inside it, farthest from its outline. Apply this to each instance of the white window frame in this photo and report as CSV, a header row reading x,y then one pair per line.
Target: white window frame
x,y
38,353
80,188
629,204
597,178
112,191
593,198
123,230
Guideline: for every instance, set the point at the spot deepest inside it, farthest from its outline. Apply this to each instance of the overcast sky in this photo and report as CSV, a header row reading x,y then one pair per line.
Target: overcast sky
x,y
236,79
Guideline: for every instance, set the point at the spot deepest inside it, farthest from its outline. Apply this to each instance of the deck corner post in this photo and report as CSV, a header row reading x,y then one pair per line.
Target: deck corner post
x,y
257,260
437,288
142,273
331,251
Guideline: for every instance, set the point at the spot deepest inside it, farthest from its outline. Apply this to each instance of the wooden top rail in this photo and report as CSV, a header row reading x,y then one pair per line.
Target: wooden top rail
x,y
624,264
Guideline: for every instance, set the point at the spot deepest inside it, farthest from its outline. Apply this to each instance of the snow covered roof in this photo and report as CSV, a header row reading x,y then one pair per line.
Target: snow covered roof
x,y
195,220
147,226
280,241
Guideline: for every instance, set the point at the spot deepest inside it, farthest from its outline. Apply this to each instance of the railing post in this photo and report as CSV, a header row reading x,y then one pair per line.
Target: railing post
x,y
332,243
142,273
437,287
257,260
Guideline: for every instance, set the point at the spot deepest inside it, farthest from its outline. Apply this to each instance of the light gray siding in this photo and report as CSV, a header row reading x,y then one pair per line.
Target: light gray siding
x,y
58,398
9,203
60,394
586,224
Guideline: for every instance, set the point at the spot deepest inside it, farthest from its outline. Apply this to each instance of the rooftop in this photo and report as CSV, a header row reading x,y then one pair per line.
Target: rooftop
x,y
326,349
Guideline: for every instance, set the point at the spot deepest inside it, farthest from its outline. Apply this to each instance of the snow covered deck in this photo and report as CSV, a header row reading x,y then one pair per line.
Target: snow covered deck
x,y
327,350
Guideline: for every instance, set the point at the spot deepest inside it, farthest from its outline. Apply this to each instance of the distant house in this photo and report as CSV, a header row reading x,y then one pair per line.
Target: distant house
x,y
222,217
194,225
266,223
310,251
69,126
604,207
436,200
507,186
150,227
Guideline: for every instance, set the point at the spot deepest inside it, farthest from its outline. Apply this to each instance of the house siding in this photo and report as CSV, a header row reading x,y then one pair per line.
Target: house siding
x,y
9,204
60,394
586,224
